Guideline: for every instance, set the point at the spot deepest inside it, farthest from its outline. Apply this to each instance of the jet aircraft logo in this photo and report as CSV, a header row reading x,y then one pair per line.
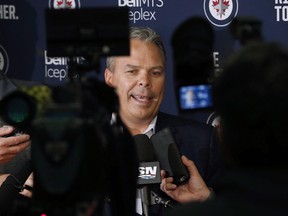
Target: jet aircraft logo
x,y
64,4
220,12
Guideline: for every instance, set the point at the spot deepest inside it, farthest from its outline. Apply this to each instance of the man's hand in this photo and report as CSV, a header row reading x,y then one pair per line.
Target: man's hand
x,y
28,186
195,190
12,145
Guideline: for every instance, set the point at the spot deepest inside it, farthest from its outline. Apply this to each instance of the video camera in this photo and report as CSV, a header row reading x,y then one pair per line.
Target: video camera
x,y
77,152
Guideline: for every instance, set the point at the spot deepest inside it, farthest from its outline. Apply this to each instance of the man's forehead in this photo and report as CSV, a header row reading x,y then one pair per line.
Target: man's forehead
x,y
122,64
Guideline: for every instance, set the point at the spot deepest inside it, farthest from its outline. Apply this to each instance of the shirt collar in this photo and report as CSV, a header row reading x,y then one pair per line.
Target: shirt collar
x,y
150,130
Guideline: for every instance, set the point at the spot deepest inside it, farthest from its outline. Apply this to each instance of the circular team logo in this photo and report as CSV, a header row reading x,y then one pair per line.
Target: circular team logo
x,y
4,60
64,4
220,12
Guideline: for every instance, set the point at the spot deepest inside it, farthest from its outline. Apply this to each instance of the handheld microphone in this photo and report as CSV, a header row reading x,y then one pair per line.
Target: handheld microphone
x,y
149,169
169,156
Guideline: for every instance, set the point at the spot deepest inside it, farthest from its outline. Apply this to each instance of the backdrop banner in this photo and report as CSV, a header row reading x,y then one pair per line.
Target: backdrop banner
x,y
23,53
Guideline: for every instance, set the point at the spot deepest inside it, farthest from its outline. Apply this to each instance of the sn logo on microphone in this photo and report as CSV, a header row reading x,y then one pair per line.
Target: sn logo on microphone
x,y
148,172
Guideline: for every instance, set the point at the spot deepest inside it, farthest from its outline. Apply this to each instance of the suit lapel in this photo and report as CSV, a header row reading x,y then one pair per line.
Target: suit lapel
x,y
163,121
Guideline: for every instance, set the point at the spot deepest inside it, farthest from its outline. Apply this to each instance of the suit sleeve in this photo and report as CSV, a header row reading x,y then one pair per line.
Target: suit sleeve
x,y
215,165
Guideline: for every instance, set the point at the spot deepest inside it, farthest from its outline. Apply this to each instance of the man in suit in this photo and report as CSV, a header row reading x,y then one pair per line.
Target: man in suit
x,y
139,81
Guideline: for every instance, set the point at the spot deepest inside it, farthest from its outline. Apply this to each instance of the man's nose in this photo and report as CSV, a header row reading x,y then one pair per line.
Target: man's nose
x,y
144,80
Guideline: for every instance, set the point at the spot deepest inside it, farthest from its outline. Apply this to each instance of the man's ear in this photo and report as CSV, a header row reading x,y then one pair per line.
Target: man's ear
x,y
108,77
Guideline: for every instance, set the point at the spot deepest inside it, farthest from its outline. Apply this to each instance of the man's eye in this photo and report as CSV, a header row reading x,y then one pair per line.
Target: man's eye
x,y
156,73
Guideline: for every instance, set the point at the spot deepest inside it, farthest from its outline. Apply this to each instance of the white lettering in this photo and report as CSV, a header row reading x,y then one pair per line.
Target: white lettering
x,y
8,12
140,3
144,2
160,3
141,170
55,60
216,59
281,1
123,3
147,170
281,13
55,73
278,8
142,15
151,170
285,13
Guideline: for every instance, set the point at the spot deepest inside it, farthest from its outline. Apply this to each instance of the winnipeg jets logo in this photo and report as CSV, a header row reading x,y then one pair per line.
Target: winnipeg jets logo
x,y
4,61
64,4
220,7
220,12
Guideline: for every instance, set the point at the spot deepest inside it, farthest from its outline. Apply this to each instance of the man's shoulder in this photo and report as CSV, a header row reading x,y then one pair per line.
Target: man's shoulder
x,y
175,120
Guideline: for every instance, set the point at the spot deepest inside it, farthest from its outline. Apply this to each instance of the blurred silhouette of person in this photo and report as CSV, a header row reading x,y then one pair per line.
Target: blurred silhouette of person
x,y
246,30
251,97
192,43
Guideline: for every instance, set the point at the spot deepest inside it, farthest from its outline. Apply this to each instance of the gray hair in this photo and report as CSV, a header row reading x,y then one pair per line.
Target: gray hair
x,y
144,34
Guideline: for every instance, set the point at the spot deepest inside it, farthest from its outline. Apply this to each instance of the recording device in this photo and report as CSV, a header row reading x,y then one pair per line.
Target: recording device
x,y
149,169
168,154
194,97
74,144
17,109
90,33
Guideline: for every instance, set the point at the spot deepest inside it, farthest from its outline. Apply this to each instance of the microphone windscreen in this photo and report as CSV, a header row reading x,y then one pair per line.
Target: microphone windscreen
x,y
144,148
169,156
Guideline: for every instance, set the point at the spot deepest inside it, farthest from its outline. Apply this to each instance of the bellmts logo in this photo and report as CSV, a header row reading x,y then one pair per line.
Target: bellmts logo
x,y
140,13
55,68
64,4
220,12
4,61
140,3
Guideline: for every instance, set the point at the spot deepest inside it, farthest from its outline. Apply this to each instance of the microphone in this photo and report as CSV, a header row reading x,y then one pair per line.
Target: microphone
x,y
167,202
149,169
168,154
11,187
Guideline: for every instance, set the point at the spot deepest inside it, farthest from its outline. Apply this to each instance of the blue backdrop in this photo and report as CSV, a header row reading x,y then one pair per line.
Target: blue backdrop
x,y
22,31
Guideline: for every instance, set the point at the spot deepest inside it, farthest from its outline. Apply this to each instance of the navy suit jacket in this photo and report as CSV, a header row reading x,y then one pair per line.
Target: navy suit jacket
x,y
195,140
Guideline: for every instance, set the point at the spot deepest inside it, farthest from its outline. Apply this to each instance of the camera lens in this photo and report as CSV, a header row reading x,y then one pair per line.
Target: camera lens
x,y
18,109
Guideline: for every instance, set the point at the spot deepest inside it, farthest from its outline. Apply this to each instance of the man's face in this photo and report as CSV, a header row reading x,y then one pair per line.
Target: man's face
x,y
139,81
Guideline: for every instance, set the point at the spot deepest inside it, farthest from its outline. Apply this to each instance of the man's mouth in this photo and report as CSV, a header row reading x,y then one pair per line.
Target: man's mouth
x,y
142,98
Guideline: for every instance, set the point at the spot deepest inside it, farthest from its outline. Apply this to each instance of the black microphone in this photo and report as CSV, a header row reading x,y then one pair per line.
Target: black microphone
x,y
11,187
163,200
168,154
149,169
